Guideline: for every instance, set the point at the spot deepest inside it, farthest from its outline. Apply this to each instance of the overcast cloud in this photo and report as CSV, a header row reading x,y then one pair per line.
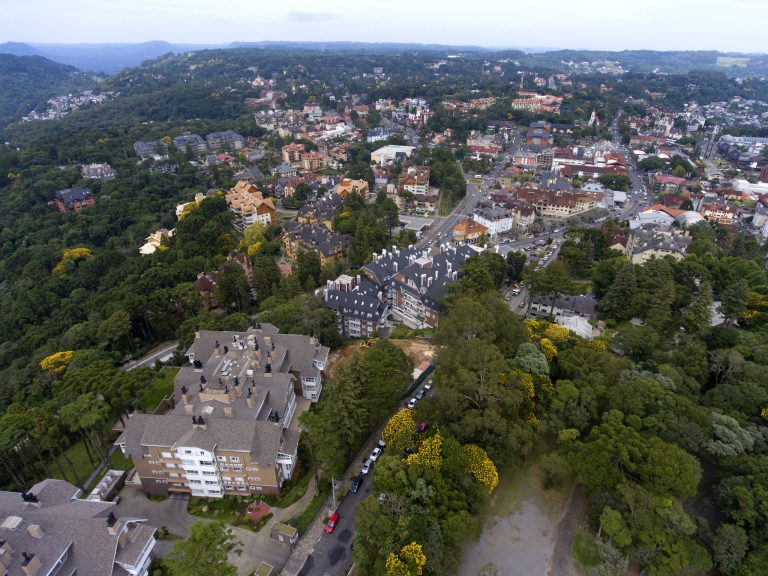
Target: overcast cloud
x,y
735,25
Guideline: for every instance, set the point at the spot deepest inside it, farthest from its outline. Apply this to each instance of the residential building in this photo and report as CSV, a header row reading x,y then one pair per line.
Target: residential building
x,y
378,134
230,431
391,153
249,205
537,103
495,219
469,231
285,170
329,246
311,161
563,306
557,203
50,531
292,154
97,171
664,183
648,242
415,179
190,143
205,284
360,306
73,199
720,213
156,149
323,211
226,140
347,185
155,240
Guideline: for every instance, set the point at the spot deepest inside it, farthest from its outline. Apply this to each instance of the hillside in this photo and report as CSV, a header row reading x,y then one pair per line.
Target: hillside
x,y
26,82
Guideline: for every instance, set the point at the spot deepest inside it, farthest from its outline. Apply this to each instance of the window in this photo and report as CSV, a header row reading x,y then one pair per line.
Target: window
x,y
187,451
208,473
173,475
206,463
193,481
211,482
221,458
166,455
235,458
170,465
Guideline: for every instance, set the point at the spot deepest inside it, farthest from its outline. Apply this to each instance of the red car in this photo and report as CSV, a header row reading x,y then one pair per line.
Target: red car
x,y
331,524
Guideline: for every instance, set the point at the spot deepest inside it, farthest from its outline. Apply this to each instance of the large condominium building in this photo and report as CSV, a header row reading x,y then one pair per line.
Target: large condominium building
x,y
50,531
226,140
249,205
230,431
360,305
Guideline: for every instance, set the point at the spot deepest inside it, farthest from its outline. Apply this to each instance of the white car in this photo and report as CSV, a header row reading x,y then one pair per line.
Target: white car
x,y
366,466
428,385
412,403
375,454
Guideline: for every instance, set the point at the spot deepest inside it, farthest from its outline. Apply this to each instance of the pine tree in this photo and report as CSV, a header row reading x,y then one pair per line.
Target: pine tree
x,y
618,301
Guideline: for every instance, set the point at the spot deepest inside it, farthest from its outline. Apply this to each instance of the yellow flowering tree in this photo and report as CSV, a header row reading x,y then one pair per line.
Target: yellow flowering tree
x,y
71,255
430,454
481,467
556,333
57,363
764,413
549,348
399,430
409,562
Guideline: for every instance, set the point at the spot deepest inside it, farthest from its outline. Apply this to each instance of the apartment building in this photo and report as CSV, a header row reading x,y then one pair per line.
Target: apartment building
x,y
469,231
414,180
226,140
97,171
328,245
230,431
50,531
73,199
360,305
190,143
649,241
249,205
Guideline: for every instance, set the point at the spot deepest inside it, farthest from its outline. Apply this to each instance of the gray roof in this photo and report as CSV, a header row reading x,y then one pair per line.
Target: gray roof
x,y
68,524
317,238
71,195
581,305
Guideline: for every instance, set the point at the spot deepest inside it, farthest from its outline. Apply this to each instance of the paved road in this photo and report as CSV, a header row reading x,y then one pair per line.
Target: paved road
x,y
150,358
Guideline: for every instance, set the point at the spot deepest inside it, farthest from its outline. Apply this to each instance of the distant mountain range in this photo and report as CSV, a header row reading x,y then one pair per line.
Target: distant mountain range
x,y
112,58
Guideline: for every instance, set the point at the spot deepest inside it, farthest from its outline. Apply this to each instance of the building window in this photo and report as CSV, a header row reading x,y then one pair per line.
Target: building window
x,y
235,458
206,463
221,458
166,455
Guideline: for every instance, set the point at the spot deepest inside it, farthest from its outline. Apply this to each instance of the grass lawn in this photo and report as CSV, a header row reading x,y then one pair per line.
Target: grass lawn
x,y
230,510
520,484
161,387
83,466
291,493
303,520
446,206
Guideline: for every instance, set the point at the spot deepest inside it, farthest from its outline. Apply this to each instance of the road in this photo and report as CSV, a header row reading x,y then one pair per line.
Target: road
x,y
443,228
150,358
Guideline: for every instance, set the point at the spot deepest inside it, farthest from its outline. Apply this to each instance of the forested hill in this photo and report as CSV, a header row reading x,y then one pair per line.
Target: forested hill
x,y
26,82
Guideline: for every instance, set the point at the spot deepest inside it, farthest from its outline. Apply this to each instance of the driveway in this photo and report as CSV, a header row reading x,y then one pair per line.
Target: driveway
x,y
171,512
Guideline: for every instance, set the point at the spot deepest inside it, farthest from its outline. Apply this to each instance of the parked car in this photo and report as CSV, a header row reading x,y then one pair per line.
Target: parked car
x,y
331,524
375,454
420,394
366,467
381,444
412,403
428,385
422,427
358,480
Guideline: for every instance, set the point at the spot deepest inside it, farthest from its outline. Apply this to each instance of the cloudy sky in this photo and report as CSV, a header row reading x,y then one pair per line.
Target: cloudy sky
x,y
733,25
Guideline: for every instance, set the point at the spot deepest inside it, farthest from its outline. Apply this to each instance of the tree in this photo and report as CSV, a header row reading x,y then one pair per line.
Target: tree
x,y
619,299
409,561
232,287
116,328
399,430
612,523
729,546
515,265
552,281
481,467
698,314
308,267
529,358
266,276
205,552
733,300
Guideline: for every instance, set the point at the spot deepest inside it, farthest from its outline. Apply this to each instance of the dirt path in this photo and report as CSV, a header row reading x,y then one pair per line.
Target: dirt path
x,y
561,560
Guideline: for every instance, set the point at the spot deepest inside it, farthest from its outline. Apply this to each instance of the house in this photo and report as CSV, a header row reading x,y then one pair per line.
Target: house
x,y
360,306
50,530
378,134
155,240
249,205
285,170
230,431
323,211
97,171
73,199
327,244
391,153
226,140
205,284
563,306
251,174
425,204
156,149
414,180
190,143
469,231
649,241
347,185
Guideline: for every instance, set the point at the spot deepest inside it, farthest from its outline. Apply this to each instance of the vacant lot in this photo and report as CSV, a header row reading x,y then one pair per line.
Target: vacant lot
x,y
519,532
417,350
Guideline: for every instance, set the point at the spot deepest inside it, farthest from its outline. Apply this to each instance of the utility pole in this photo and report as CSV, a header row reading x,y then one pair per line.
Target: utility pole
x,y
335,485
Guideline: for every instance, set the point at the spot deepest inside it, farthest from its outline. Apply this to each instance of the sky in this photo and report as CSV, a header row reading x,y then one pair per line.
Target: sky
x,y
732,25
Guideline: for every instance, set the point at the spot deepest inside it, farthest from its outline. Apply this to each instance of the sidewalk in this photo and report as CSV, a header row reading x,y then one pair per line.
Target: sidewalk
x,y
259,547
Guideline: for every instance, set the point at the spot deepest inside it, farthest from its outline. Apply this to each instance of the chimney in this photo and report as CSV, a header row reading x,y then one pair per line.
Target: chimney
x,y
30,564
113,526
35,531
